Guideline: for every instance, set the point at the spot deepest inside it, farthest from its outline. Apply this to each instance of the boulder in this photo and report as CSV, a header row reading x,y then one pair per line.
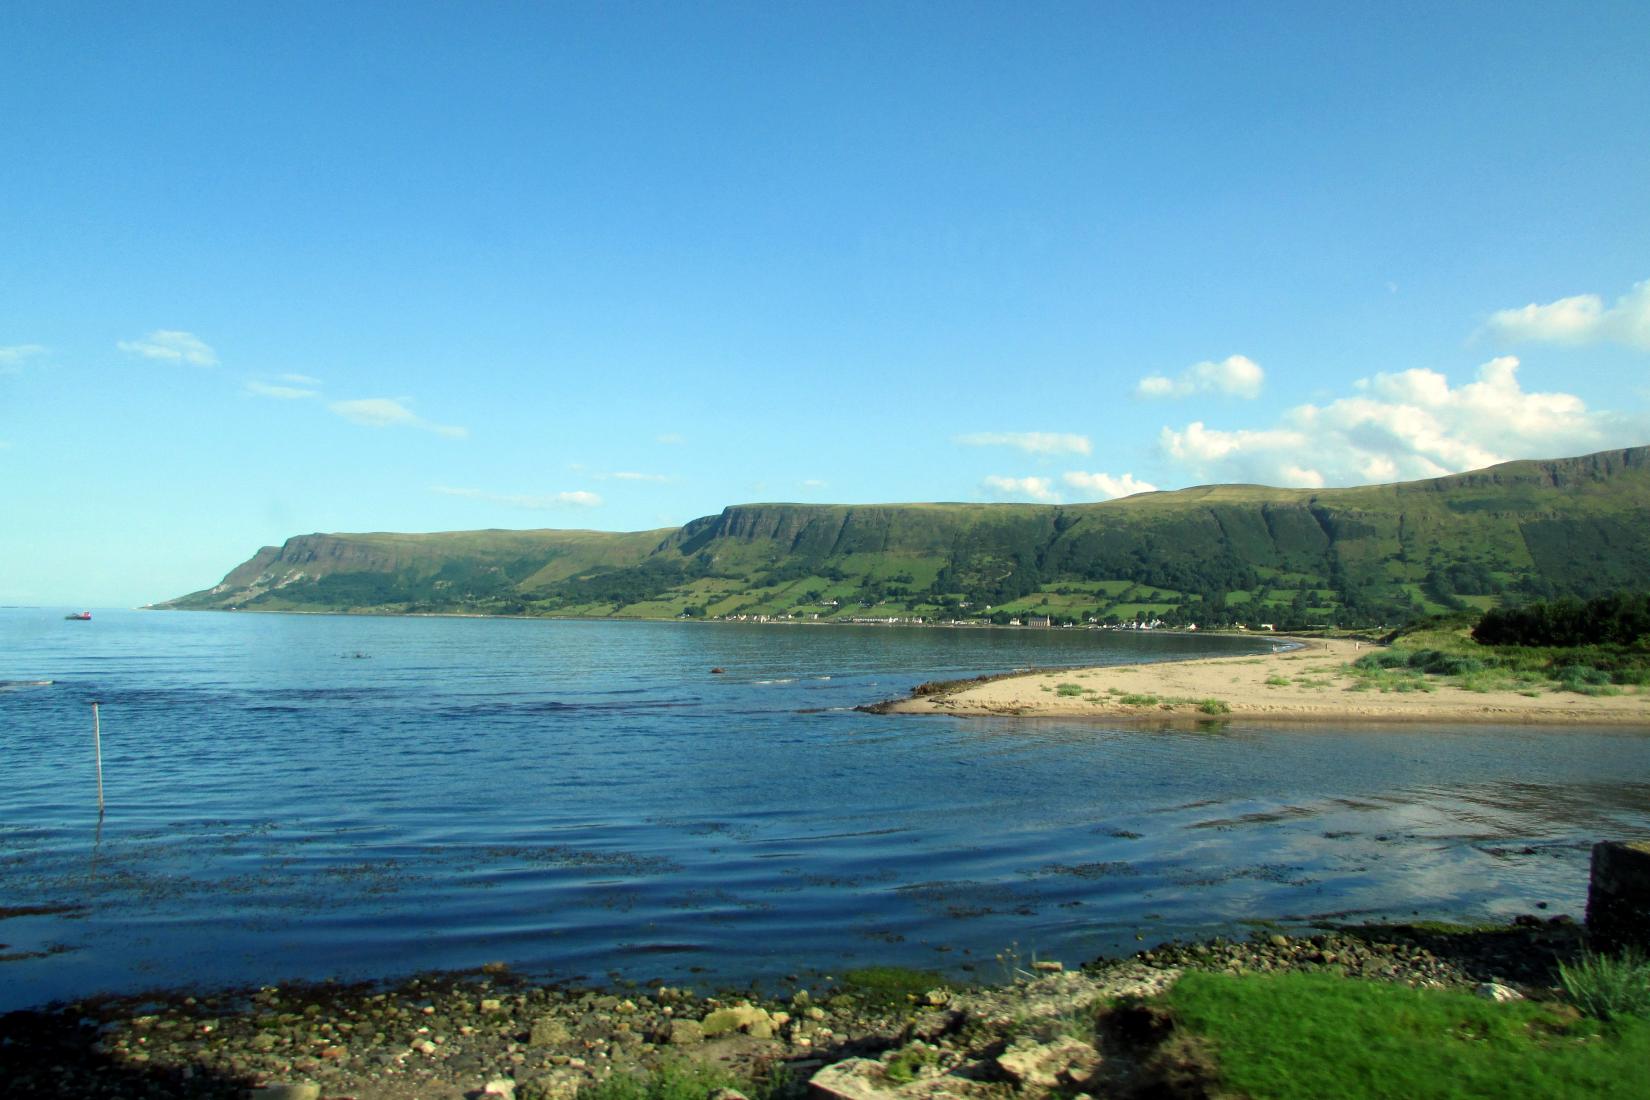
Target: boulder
x,y
547,1031
1041,1067
753,1021
1495,991
683,1032
555,1085
1618,895
865,1079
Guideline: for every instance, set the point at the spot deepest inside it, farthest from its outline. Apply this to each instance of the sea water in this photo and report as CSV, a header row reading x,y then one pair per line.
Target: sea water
x,y
304,796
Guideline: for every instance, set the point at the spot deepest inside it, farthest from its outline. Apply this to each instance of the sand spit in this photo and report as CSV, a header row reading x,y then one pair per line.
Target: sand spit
x,y
1309,682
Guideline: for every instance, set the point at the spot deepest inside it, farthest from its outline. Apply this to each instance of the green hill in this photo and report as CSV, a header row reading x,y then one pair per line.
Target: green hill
x,y
1210,555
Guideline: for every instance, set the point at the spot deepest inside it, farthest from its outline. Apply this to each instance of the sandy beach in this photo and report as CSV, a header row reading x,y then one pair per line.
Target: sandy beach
x,y
1309,683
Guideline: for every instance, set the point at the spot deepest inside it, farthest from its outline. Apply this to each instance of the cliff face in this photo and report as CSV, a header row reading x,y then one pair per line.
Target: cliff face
x,y
1521,529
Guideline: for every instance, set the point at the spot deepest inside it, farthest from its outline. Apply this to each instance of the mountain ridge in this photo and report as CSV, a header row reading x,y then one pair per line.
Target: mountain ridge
x,y
1208,554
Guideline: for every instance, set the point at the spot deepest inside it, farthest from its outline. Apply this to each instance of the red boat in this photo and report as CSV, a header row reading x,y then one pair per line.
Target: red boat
x,y
81,616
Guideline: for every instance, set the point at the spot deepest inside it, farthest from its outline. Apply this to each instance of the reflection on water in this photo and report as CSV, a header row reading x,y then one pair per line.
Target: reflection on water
x,y
585,799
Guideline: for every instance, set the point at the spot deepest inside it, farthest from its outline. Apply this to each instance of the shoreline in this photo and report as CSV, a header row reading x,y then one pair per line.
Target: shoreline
x,y
1308,682
493,1032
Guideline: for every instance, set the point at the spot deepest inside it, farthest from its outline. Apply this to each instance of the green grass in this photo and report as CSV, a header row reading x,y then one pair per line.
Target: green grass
x,y
1069,689
1310,1036
1609,988
904,1067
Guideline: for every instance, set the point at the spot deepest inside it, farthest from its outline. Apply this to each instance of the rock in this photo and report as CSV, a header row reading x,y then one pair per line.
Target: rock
x,y
747,1018
555,1085
1045,1066
1048,966
491,1004
684,1032
1277,940
547,1031
727,1094
1618,895
851,1079
865,1079
297,1090
1495,991
502,1087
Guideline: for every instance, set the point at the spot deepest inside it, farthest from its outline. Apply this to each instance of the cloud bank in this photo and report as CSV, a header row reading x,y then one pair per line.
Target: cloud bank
x,y
1581,319
1402,426
1105,486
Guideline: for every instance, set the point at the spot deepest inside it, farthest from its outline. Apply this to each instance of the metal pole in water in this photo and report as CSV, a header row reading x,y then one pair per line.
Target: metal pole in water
x,y
97,746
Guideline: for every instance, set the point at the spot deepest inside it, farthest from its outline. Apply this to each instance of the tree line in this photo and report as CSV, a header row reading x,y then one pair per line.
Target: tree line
x,y
1622,618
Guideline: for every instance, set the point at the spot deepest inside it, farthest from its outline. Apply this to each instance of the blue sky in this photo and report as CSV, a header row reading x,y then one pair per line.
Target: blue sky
x,y
267,270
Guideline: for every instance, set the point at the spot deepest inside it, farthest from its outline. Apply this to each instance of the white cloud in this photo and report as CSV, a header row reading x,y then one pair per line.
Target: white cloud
x,y
388,412
1580,319
1235,376
576,498
632,475
300,380
670,439
1037,488
172,346
1047,443
1401,426
814,483
1106,486
12,358
283,393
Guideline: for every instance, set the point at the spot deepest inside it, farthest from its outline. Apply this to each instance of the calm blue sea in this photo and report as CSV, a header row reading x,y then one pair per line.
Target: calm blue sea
x,y
313,796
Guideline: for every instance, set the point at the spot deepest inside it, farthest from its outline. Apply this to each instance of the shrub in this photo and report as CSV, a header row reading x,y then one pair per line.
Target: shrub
x,y
671,1081
1069,689
1214,706
1609,988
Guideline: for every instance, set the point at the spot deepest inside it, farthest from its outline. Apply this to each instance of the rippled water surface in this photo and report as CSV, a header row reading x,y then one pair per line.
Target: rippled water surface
x,y
308,796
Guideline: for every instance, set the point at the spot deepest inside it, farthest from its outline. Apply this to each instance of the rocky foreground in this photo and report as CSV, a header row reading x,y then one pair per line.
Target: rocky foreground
x,y
491,1033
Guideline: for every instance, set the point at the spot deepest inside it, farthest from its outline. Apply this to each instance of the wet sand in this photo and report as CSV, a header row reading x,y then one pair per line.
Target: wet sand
x,y
1308,683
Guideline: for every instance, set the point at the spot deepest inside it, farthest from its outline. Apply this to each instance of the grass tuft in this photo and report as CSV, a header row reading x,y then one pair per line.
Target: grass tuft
x,y
670,1081
1609,988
